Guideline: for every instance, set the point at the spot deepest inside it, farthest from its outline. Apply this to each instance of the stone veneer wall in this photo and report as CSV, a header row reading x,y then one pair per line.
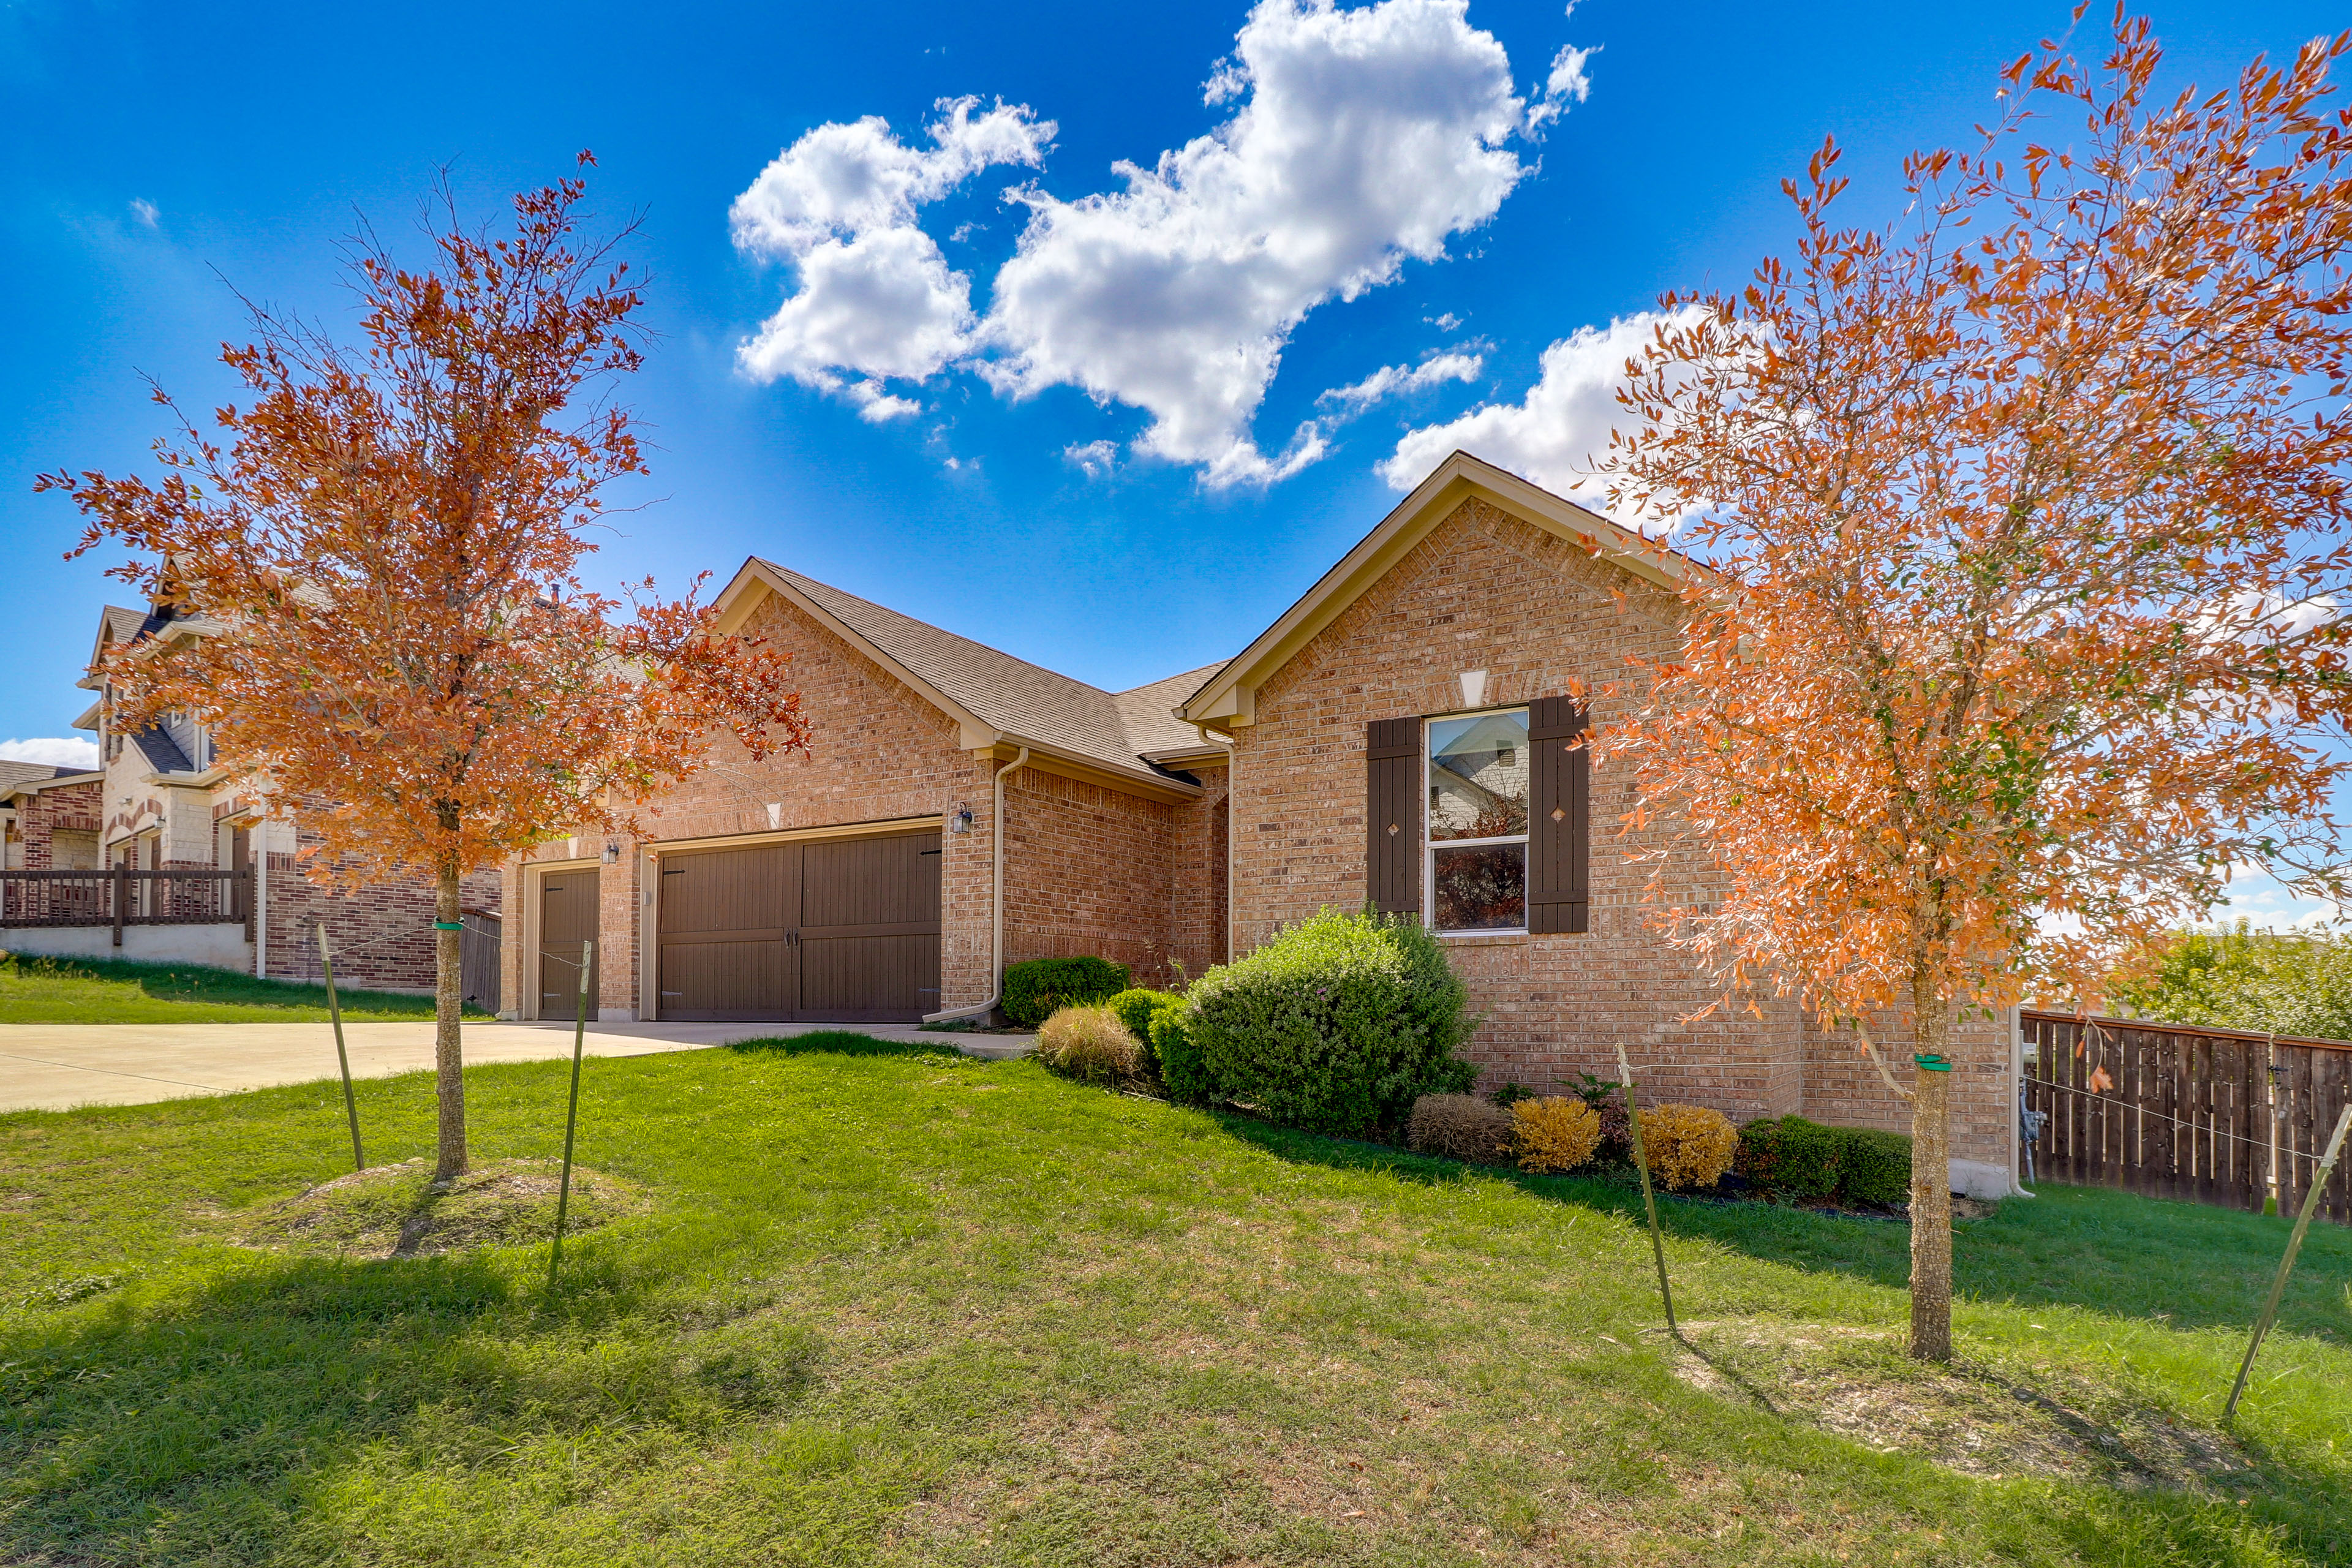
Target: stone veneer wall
x,y
1486,590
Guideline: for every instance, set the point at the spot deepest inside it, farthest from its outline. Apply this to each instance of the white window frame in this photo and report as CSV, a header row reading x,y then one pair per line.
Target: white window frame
x,y
1429,845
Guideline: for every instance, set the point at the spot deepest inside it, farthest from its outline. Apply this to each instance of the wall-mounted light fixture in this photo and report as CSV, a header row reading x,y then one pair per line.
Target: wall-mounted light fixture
x,y
961,821
612,853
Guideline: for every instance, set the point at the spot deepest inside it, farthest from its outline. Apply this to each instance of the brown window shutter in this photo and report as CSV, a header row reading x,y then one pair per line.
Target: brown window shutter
x,y
1559,817
1392,815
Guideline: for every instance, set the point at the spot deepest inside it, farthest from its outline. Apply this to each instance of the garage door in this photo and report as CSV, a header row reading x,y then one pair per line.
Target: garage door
x,y
567,917
833,930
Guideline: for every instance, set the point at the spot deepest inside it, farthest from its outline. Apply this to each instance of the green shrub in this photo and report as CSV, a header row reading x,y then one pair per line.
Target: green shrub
x,y
1035,990
1790,1157
1183,1073
1874,1167
1336,1025
1135,1008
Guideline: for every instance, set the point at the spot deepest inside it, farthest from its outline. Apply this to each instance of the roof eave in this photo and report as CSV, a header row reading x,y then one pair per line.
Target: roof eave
x,y
1230,697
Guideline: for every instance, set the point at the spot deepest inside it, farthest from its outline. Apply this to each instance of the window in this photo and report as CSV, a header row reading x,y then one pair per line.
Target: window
x,y
1478,822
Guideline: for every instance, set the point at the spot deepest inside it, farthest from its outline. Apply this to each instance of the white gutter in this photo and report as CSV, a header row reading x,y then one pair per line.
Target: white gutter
x,y
996,903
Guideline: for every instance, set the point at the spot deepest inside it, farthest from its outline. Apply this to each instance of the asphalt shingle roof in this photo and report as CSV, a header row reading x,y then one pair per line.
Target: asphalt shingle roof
x,y
16,775
1020,699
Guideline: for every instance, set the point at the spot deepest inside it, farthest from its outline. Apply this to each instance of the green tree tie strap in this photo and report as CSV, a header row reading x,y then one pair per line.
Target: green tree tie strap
x,y
1929,1061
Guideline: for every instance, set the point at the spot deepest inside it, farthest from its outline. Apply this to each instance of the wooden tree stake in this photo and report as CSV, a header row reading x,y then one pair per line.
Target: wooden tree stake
x,y
2287,1264
343,1056
1649,1202
572,1113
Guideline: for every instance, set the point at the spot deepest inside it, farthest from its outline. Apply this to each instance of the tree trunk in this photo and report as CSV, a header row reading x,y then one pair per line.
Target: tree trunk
x,y
1931,1186
448,1058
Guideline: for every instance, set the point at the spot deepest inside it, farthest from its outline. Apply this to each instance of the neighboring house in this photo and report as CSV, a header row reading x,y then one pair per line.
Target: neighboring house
x,y
162,801
1400,735
48,818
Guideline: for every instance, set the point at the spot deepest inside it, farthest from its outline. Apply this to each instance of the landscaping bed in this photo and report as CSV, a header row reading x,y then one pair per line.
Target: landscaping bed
x,y
902,1307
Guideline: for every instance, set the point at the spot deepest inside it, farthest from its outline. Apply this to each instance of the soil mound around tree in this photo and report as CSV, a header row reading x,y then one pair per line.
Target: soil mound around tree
x,y
1978,1419
396,1210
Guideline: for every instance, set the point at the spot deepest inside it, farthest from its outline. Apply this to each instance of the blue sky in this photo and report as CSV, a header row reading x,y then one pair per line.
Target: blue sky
x,y
1053,449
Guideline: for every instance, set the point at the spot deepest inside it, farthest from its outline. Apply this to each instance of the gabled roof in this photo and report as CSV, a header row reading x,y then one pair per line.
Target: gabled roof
x,y
117,624
1230,697
163,753
994,697
26,778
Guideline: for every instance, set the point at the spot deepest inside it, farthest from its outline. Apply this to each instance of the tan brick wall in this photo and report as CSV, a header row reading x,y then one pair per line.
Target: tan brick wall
x,y
1197,885
383,936
1086,871
1486,590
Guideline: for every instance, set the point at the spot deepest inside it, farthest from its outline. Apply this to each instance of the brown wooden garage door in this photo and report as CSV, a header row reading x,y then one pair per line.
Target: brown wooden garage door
x,y
833,930
567,917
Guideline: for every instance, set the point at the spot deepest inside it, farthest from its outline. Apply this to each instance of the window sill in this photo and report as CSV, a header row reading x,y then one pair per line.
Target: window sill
x,y
1481,938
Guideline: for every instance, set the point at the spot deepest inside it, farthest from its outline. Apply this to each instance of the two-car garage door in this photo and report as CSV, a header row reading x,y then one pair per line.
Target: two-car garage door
x,y
844,930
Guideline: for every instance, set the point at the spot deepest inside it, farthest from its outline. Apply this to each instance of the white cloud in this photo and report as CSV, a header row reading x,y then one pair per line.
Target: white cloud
x,y
57,752
1364,138
1392,380
1556,434
1444,323
875,297
1093,459
1569,80
145,211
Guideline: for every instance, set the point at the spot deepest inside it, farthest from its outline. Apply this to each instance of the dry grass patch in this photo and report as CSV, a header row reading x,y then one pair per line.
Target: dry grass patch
x,y
1977,1419
396,1210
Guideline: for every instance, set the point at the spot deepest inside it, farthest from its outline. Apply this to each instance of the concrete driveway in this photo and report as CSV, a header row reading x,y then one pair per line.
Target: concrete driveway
x,y
52,1066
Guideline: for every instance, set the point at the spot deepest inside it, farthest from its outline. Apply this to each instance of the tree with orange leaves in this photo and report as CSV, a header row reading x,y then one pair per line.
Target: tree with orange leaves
x,y
2028,513
383,553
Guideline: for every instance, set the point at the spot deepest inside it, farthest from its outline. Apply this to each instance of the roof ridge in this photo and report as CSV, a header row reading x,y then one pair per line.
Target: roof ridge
x,y
934,627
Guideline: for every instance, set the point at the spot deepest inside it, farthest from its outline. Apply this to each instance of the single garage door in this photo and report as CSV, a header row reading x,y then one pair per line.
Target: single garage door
x,y
831,930
567,918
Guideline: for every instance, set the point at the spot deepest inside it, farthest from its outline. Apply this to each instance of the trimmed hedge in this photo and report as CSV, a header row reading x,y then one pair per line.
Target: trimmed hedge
x,y
1135,1008
1037,990
1336,1025
1800,1160
1876,1167
1183,1073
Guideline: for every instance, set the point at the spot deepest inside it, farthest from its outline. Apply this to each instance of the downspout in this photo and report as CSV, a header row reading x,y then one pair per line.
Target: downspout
x,y
996,904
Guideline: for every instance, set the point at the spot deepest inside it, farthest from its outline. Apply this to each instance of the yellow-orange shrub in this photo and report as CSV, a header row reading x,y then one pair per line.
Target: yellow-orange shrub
x,y
1688,1145
1554,1133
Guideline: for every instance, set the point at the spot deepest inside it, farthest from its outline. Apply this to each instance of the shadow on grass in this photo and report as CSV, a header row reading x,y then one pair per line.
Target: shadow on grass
x,y
207,1423
2119,1253
196,983
841,1043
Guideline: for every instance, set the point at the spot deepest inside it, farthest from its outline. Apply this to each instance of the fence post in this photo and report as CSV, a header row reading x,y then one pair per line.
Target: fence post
x,y
121,895
2287,1264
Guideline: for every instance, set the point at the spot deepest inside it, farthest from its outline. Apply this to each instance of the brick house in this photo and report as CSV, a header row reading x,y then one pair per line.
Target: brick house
x,y
1399,735
48,818
162,801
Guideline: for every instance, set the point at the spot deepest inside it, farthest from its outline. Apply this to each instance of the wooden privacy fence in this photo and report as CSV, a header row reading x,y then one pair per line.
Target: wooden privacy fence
x,y
119,897
2180,1110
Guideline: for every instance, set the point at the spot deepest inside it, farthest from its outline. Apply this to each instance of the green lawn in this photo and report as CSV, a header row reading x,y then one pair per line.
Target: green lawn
x,y
911,1309
110,991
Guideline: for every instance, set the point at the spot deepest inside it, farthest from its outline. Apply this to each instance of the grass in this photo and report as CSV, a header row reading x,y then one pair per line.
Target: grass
x,y
889,1306
114,990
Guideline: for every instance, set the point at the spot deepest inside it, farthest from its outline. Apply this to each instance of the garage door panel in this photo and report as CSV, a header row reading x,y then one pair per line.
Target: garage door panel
x,y
870,979
871,881
728,890
725,981
567,917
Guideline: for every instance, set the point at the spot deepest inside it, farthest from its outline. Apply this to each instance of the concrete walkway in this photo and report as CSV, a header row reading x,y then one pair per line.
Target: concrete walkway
x,y
52,1066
